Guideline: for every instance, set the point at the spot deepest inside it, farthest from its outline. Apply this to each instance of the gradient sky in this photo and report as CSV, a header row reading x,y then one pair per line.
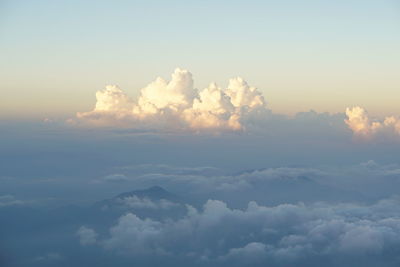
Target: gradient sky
x,y
322,55
172,176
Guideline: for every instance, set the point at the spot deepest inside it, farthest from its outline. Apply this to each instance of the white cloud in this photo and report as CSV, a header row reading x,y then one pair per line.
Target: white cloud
x,y
250,253
146,203
242,95
174,95
177,105
113,99
282,233
134,234
362,126
87,236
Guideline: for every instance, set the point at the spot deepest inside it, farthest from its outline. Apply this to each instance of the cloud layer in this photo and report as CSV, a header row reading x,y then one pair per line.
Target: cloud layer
x,y
288,218
176,104
278,235
330,216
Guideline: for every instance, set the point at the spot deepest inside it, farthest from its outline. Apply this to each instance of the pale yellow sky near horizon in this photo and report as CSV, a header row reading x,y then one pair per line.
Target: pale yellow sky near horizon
x,y
284,95
314,55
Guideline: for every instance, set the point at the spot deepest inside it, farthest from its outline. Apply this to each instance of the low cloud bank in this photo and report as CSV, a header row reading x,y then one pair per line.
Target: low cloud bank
x,y
176,105
277,235
290,216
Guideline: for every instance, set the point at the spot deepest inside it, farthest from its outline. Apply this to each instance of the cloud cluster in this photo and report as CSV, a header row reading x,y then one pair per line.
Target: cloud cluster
x,y
263,185
271,229
258,234
176,104
87,236
135,202
362,126
361,182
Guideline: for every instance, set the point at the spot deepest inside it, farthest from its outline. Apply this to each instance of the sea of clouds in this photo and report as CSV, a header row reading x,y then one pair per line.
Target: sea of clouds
x,y
266,217
244,186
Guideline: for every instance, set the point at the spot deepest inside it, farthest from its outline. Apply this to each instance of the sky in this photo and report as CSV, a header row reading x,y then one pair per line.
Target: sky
x,y
199,133
325,55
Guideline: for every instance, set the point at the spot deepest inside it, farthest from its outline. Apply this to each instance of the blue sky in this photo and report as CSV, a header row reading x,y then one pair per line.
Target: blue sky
x,y
325,55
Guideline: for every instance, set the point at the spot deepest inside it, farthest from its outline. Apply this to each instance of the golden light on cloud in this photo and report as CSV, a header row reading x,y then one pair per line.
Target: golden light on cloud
x,y
177,104
362,126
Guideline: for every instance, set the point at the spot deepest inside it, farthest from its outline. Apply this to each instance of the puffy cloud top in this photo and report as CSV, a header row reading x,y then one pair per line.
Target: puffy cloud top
x,y
112,99
242,95
87,236
280,235
177,104
359,122
175,94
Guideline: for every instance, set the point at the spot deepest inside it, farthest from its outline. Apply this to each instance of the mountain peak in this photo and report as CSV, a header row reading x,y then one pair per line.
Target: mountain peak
x,y
155,193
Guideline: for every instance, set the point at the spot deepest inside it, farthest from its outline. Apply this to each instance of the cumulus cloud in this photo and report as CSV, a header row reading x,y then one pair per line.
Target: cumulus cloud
x,y
87,236
280,234
176,104
362,126
135,202
251,252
